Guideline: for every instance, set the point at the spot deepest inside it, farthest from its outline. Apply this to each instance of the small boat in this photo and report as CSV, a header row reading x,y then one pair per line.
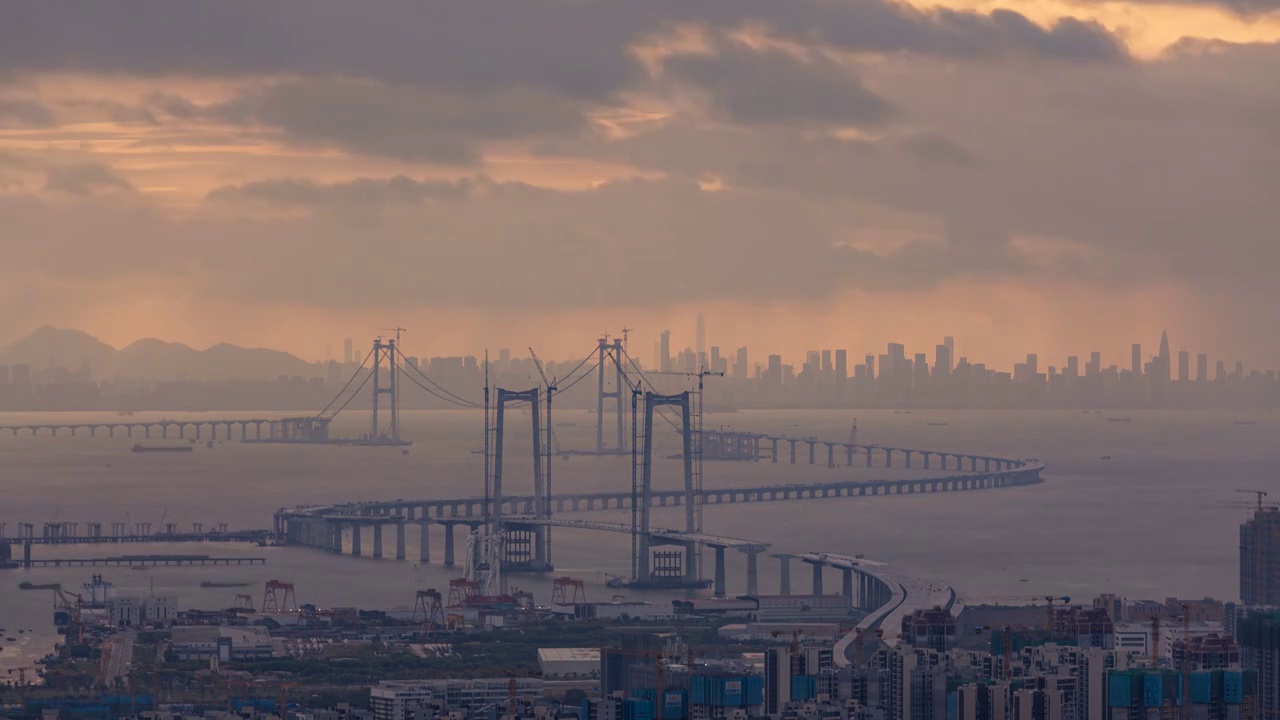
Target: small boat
x,y
1105,457
140,448
1244,422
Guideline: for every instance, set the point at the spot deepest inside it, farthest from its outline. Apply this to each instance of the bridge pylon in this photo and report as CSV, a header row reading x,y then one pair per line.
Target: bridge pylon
x,y
610,362
678,568
385,352
526,548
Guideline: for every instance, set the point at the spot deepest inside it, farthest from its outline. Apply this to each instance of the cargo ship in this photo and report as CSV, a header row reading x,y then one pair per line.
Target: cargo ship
x,y
140,448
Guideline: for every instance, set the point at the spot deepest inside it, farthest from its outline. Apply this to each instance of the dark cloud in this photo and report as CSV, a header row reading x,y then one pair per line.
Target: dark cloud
x,y
83,179
775,87
380,119
362,192
566,47
25,114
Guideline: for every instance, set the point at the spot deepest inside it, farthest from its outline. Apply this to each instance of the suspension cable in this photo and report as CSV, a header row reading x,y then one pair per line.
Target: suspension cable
x,y
344,387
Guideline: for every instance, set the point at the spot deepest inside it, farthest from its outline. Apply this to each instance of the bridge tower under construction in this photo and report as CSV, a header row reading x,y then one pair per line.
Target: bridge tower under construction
x,y
666,568
610,362
526,546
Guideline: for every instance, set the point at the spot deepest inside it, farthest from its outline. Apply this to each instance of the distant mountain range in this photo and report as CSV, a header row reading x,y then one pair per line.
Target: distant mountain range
x,y
150,359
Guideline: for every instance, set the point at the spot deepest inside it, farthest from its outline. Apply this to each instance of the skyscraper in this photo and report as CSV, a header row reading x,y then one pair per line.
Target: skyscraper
x,y
1165,363
701,341
740,368
347,351
1136,366
842,366
665,352
1260,558
942,361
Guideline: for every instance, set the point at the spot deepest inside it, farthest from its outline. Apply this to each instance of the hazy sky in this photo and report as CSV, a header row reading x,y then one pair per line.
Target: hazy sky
x,y
1047,175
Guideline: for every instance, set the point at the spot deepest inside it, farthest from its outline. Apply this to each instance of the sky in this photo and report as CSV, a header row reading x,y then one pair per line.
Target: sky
x,y
1051,176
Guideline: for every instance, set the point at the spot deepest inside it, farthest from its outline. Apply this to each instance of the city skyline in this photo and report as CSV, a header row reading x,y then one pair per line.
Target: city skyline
x,y
801,184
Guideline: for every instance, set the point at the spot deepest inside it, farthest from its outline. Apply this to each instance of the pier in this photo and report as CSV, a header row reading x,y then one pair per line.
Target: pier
x,y
301,429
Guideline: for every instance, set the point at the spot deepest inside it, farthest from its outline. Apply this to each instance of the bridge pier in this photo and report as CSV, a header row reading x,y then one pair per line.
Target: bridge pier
x,y
973,464
793,450
335,537
377,539
846,583
753,570
831,455
926,456
784,576
356,532
718,589
868,457
888,457
400,554
774,455
448,544
817,577
811,444
986,464
907,455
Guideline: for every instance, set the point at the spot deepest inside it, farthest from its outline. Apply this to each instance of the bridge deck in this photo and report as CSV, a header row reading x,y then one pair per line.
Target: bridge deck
x,y
680,535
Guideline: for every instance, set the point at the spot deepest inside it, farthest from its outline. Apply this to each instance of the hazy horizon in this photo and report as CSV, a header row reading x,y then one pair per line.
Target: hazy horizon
x,y
1049,177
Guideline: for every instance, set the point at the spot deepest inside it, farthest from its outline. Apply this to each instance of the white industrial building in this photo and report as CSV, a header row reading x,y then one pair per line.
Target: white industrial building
x,y
136,611
568,662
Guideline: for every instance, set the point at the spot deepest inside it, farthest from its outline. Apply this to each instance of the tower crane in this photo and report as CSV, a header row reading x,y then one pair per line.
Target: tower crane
x,y
1259,493
1049,599
552,388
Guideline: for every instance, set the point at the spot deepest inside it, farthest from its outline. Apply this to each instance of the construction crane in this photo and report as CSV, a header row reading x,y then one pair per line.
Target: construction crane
x,y
626,331
1049,599
1259,493
552,388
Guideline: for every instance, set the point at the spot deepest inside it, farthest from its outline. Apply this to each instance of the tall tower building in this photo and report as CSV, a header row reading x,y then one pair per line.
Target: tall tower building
x,y
740,367
1166,362
842,366
665,351
1260,558
701,340
347,351
1136,361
